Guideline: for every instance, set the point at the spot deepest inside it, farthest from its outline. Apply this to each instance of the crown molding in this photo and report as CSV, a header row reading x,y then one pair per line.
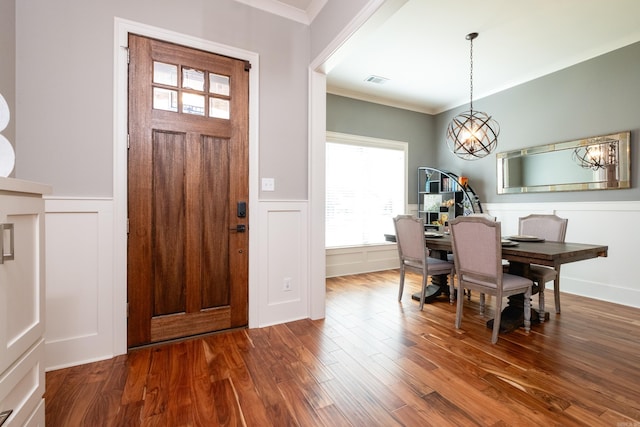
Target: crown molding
x,y
304,16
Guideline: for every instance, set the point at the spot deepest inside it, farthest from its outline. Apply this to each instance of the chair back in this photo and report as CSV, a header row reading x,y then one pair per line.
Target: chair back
x,y
549,227
483,215
410,238
477,246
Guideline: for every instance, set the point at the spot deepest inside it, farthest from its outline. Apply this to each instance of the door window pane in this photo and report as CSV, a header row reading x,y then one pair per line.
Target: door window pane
x,y
218,84
193,104
165,99
219,108
192,79
165,74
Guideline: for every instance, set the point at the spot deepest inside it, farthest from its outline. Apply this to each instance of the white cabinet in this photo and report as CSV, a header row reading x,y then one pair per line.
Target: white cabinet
x,y
22,301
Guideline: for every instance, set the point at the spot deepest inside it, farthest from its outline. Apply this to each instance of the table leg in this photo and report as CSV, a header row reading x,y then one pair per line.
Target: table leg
x,y
431,293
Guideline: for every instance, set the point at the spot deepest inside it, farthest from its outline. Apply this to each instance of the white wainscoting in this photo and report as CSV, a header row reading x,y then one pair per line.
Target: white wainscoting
x,y
81,306
608,223
613,224
361,259
82,312
79,278
283,249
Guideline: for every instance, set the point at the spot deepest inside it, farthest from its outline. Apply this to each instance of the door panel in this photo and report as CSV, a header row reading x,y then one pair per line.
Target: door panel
x,y
168,223
188,169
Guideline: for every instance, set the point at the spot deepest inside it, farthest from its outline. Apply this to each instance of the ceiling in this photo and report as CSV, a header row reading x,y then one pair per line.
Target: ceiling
x,y
420,46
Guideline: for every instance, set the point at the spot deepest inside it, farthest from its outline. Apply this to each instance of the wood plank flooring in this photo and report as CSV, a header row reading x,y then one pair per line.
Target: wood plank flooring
x,y
372,362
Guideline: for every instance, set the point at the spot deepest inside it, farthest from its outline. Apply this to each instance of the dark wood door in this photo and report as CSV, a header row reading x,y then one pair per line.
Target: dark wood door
x,y
187,263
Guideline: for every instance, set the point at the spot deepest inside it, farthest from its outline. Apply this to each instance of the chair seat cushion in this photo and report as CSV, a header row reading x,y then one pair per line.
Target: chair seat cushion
x,y
511,281
436,261
435,266
413,264
542,274
479,282
438,265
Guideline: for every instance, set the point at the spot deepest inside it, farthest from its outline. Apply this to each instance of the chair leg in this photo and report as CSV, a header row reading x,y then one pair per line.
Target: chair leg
x,y
401,283
459,306
496,320
482,297
541,301
527,310
556,292
424,289
452,289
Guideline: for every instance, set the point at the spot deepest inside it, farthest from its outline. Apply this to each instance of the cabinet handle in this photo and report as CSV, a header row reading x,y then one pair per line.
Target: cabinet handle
x,y
6,256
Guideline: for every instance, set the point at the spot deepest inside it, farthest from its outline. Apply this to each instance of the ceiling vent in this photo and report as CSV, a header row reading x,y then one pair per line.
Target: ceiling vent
x,y
376,79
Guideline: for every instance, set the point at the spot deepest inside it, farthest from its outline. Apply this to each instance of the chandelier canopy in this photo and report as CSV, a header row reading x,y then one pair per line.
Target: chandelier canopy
x,y
472,135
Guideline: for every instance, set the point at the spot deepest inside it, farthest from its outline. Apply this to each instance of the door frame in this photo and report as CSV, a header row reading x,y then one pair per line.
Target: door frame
x,y
122,28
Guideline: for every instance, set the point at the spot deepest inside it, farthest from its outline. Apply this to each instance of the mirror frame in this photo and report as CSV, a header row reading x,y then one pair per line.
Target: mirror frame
x,y
623,169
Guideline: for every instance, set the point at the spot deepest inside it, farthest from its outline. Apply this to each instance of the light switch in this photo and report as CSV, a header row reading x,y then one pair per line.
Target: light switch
x,y
268,184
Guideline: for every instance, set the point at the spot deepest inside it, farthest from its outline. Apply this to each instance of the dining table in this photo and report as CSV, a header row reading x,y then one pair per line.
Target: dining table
x,y
520,255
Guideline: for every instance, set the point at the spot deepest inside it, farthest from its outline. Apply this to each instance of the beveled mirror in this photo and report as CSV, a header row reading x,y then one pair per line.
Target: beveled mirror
x,y
596,163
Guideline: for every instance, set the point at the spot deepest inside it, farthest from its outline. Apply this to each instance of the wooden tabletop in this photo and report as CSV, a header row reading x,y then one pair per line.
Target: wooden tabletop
x,y
543,253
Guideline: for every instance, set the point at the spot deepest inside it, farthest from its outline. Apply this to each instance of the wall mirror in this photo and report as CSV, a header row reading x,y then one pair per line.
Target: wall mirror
x,y
596,163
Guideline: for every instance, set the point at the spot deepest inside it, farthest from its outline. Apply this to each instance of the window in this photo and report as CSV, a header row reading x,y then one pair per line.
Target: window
x,y
365,188
194,91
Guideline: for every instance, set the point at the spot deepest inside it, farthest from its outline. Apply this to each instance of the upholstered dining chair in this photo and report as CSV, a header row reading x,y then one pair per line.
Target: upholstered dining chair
x,y
483,215
477,244
450,257
551,228
414,254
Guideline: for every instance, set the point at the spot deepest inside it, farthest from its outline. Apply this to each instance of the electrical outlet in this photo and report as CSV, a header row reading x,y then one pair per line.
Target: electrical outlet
x,y
287,284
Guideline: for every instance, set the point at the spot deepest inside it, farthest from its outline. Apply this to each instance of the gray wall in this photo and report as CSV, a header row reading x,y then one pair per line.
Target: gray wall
x,y
65,59
596,97
7,63
347,115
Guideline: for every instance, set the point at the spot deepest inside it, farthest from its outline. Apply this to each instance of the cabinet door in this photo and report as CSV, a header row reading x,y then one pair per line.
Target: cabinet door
x,y
21,278
22,387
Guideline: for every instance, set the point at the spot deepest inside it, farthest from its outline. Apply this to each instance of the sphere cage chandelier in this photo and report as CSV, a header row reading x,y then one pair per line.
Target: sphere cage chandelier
x,y
472,135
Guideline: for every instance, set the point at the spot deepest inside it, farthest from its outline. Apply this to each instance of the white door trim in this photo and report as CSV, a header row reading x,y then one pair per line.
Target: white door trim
x,y
318,68
122,28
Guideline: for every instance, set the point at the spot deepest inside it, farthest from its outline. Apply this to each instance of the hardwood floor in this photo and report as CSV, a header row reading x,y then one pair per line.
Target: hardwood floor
x,y
372,362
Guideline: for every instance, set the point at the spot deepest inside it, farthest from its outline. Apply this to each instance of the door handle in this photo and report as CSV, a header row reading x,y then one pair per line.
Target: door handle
x,y
240,228
10,255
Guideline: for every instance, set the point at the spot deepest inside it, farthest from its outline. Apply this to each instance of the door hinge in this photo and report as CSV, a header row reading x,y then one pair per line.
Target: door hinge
x,y
127,309
128,141
127,49
127,225
247,65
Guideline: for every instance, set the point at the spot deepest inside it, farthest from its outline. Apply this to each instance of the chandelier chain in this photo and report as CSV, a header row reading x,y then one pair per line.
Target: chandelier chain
x,y
471,76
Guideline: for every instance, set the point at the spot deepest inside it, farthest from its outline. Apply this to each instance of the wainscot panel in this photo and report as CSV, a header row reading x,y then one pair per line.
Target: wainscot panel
x,y
608,223
361,259
283,262
79,294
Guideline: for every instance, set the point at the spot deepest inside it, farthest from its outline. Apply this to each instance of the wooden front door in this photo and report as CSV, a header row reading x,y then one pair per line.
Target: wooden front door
x,y
187,265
